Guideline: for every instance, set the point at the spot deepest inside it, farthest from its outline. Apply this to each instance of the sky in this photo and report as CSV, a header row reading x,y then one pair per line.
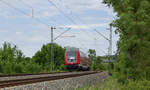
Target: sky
x,y
26,23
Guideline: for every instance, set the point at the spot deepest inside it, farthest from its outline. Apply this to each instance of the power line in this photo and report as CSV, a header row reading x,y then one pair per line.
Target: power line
x,y
72,19
61,12
11,6
53,20
33,9
64,14
38,20
32,13
84,22
110,46
62,33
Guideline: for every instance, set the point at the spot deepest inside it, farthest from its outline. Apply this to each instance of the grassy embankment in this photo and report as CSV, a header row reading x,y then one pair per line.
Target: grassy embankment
x,y
112,84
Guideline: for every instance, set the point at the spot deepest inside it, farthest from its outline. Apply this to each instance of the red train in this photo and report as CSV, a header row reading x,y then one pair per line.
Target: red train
x,y
76,59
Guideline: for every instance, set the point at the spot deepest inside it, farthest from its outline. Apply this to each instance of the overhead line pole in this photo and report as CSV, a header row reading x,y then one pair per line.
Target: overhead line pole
x,y
109,40
110,48
52,45
52,51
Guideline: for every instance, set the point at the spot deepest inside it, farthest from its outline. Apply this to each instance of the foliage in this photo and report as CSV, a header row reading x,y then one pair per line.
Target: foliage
x,y
132,24
10,58
13,61
96,61
43,57
112,84
92,56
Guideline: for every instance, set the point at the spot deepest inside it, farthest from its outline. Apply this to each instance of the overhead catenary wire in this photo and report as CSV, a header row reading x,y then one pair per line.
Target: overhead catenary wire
x,y
86,24
38,20
61,12
24,13
11,6
76,17
63,25
33,8
70,19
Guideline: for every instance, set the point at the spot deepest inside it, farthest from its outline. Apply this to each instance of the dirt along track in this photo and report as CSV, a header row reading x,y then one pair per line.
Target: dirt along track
x,y
29,80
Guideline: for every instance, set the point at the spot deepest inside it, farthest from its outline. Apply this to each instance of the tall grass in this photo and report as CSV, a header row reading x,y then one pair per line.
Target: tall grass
x,y
112,84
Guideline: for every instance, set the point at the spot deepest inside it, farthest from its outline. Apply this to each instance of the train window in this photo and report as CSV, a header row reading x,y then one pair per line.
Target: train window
x,y
71,54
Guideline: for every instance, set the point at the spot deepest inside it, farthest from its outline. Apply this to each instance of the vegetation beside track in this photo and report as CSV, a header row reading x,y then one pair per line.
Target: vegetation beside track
x,y
132,25
113,84
132,69
13,61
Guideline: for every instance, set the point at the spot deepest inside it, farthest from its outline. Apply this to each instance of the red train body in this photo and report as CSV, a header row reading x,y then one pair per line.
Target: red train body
x,y
75,59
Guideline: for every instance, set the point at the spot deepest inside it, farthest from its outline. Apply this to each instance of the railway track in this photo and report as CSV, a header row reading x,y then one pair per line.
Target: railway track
x,y
27,76
10,83
14,75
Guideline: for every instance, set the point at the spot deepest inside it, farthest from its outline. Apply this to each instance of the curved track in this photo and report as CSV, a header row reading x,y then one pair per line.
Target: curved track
x,y
10,83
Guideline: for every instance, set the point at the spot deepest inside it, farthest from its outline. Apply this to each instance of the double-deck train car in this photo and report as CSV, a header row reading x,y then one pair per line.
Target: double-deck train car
x,y
76,59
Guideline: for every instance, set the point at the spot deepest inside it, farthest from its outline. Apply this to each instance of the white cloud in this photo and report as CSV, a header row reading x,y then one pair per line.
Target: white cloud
x,y
84,5
86,26
29,35
45,9
89,18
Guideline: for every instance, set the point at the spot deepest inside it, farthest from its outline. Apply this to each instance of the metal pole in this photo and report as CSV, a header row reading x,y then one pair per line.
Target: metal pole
x,y
110,46
52,52
110,42
110,39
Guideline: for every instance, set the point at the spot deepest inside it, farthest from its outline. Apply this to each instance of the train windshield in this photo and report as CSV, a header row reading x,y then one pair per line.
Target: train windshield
x,y
71,54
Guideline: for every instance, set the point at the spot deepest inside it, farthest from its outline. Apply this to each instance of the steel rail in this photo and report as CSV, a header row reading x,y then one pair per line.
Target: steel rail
x,y
10,83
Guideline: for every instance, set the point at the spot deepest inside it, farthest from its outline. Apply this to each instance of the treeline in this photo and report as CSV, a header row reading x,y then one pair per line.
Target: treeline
x,y
13,61
133,26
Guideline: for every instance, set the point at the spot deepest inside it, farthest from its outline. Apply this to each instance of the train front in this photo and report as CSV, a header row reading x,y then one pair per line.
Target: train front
x,y
72,58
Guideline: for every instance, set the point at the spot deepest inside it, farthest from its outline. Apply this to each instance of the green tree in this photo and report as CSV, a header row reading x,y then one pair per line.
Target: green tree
x,y
92,56
133,27
99,63
10,59
43,57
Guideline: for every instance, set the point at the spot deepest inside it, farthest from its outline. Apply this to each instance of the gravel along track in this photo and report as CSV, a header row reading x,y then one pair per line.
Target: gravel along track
x,y
50,77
